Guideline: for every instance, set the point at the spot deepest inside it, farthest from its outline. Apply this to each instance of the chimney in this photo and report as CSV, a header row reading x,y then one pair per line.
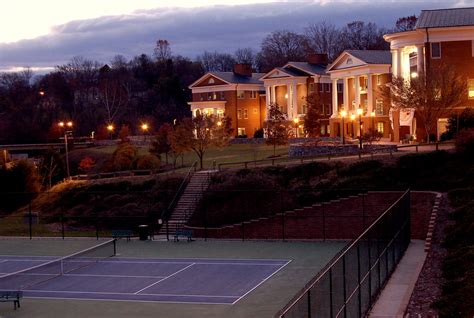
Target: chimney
x,y
243,69
318,58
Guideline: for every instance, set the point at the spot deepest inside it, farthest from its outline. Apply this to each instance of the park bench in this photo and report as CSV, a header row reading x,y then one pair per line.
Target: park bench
x,y
122,233
13,296
183,233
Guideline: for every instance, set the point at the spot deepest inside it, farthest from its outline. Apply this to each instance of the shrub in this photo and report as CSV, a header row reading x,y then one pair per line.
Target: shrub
x,y
147,162
124,156
258,133
465,142
360,168
86,164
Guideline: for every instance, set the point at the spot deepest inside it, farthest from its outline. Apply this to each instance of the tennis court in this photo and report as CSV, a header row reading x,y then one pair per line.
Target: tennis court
x,y
250,279
96,274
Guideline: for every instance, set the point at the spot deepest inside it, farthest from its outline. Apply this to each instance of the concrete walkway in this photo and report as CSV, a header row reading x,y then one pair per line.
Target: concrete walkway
x,y
395,297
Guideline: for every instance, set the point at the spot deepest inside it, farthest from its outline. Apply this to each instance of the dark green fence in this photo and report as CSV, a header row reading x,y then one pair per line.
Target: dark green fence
x,y
348,286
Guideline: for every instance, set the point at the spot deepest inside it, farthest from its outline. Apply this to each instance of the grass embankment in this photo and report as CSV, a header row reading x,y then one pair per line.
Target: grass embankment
x,y
245,190
231,153
86,207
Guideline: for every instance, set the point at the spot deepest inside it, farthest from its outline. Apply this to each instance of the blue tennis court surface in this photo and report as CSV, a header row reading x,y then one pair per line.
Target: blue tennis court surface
x,y
203,281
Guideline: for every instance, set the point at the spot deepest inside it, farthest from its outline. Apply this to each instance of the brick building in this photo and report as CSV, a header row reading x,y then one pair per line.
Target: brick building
x,y
440,36
238,95
289,87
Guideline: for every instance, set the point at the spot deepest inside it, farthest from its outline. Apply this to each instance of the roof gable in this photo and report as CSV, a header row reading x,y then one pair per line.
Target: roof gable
x,y
208,79
345,60
445,18
311,69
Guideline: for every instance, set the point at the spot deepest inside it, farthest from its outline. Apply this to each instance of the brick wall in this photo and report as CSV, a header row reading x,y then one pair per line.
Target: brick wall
x,y
339,219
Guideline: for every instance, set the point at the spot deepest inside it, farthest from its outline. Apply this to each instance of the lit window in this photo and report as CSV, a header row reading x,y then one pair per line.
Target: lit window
x,y
470,88
323,130
380,127
379,106
241,131
436,50
239,114
214,96
246,116
253,94
379,79
305,109
202,96
209,96
240,94
321,87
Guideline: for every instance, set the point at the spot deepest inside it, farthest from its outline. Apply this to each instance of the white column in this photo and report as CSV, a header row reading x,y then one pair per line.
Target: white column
x,y
346,94
394,62
268,100
273,90
370,95
335,112
357,91
294,101
399,63
420,61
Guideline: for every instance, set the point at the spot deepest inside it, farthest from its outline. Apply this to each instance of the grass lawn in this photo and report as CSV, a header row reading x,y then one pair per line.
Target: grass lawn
x,y
231,153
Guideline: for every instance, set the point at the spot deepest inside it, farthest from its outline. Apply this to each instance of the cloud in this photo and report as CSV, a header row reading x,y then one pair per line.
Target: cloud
x,y
193,30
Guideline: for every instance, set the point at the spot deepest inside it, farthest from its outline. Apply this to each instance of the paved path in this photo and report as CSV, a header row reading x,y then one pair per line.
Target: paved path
x,y
396,294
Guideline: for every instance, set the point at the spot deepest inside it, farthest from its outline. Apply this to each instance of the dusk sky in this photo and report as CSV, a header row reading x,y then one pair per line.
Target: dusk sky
x,y
43,34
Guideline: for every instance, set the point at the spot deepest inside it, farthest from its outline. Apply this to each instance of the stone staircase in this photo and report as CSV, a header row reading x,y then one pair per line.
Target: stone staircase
x,y
188,201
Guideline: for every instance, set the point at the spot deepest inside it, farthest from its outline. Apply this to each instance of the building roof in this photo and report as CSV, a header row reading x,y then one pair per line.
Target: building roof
x,y
445,18
233,78
372,56
292,71
319,69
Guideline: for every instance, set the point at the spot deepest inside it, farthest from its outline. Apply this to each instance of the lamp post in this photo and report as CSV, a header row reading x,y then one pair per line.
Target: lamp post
x,y
372,115
66,126
359,112
144,127
296,120
110,129
343,115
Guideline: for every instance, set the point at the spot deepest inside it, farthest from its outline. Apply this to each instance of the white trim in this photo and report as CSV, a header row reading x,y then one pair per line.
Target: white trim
x,y
228,87
360,70
205,76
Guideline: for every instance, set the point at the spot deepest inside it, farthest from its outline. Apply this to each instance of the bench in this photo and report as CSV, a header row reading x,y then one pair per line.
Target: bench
x,y
183,233
13,296
122,233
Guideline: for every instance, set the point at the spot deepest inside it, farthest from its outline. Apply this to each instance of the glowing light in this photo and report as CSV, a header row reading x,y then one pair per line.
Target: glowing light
x,y
286,96
69,124
144,127
219,123
414,75
359,111
296,120
110,127
61,124
353,116
372,114
343,113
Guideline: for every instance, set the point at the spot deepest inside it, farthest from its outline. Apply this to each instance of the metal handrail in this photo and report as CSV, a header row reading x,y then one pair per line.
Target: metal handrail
x,y
340,255
165,214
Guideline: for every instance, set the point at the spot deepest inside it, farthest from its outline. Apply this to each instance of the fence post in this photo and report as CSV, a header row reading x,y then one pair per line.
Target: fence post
x,y
309,303
437,146
167,230
30,221
97,227
344,292
358,280
62,224
282,218
324,222
369,268
331,313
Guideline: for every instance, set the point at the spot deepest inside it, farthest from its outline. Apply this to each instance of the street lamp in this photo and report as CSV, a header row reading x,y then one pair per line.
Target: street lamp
x,y
296,121
372,116
352,124
110,129
343,115
66,133
219,123
359,112
144,127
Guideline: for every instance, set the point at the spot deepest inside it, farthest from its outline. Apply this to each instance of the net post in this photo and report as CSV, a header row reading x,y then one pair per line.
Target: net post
x,y
97,228
358,281
309,303
62,225
115,247
344,292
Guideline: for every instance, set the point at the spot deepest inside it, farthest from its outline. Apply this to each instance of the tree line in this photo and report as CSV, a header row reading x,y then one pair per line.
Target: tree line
x,y
152,89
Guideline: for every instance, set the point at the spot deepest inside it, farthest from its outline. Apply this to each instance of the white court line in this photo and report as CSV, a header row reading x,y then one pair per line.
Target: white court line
x,y
263,281
182,263
182,269
4,261
135,301
129,294
117,276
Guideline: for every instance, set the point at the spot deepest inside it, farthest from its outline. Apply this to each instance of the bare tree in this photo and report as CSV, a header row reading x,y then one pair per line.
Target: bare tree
x,y
113,95
407,23
280,47
324,37
245,56
162,50
216,62
358,35
432,95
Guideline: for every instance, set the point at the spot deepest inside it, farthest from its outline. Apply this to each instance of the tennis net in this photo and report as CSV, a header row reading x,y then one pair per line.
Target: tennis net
x,y
26,278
